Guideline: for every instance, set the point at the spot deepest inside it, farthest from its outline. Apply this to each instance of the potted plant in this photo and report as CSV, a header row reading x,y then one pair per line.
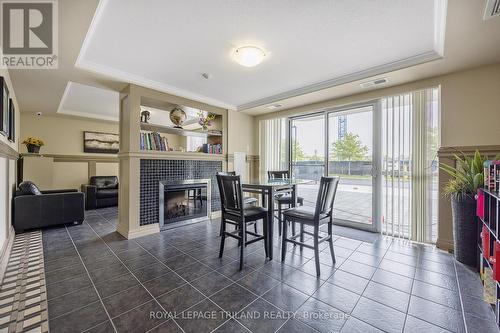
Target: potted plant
x,y
33,145
466,177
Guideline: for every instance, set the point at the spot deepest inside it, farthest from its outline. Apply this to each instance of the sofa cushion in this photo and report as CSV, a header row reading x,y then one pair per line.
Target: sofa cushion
x,y
27,187
104,182
107,193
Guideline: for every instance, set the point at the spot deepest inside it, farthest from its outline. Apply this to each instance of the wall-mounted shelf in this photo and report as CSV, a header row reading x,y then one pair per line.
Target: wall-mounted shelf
x,y
177,131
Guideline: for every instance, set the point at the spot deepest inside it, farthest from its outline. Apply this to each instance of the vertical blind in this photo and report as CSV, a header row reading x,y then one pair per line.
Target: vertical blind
x,y
409,165
272,145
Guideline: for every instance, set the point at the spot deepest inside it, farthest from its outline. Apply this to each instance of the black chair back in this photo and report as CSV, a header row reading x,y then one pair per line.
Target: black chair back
x,y
326,195
231,193
278,174
226,173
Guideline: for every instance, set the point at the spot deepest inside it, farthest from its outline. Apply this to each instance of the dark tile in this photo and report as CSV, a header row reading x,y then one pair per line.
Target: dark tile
x,y
115,285
232,326
140,319
67,286
105,327
476,324
211,283
132,254
477,307
441,280
260,316
277,270
356,268
70,302
103,262
142,261
437,314
437,294
398,268
126,300
212,317
321,316
215,262
304,282
180,299
353,325
193,271
179,261
337,297
88,317
415,325
258,282
295,326
379,315
388,296
232,270
285,297
348,281
150,272
65,262
107,273
64,273
233,298
393,280
168,327
164,284
325,270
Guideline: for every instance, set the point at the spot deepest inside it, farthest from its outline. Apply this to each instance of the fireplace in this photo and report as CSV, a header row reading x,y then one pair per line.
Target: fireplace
x,y
183,202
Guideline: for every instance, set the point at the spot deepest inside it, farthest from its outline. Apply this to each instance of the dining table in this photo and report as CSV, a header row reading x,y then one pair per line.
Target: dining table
x,y
268,189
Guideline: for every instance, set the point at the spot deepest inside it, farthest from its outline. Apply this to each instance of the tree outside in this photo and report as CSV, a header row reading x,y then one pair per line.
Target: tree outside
x,y
349,148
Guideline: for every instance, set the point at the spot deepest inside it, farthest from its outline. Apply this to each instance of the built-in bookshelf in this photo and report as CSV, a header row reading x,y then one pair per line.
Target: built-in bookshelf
x,y
488,212
154,137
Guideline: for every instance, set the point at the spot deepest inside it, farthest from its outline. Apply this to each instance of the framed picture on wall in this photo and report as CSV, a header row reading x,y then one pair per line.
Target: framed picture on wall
x,y
96,142
4,107
12,121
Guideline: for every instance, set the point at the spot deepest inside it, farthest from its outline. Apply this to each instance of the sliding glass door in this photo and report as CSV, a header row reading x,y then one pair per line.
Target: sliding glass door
x,y
341,143
307,154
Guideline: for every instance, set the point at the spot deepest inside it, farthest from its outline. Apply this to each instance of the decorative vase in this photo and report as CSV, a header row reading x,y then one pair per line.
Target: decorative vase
x,y
33,148
463,210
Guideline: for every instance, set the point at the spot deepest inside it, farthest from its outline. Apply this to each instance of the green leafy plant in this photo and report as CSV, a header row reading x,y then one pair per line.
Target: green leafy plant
x,y
467,176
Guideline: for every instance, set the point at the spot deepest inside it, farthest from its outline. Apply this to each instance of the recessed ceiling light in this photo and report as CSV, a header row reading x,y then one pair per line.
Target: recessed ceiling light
x,y
249,56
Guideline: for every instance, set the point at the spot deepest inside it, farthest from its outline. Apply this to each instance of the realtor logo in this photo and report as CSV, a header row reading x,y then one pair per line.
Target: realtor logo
x,y
29,34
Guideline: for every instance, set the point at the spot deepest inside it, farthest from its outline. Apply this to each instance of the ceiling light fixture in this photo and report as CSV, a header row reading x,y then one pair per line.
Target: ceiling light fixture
x,y
249,56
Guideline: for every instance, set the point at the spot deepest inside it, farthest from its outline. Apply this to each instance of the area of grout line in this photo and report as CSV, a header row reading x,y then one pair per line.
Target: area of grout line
x,y
460,297
91,281
254,270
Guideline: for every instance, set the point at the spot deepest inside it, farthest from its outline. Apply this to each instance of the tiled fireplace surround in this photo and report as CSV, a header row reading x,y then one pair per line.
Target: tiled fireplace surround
x,y
154,171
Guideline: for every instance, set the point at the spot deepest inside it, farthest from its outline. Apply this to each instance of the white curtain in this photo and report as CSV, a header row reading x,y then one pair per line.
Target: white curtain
x,y
410,141
272,145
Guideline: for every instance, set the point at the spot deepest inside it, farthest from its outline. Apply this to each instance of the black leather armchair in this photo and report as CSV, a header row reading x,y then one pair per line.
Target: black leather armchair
x,y
102,191
47,209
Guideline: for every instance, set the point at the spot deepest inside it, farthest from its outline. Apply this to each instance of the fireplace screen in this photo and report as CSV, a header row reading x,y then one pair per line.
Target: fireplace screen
x,y
182,202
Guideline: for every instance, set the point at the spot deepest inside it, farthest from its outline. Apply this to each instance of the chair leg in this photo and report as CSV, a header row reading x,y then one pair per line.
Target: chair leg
x,y
255,228
223,237
283,240
293,231
316,249
330,241
301,236
280,219
264,226
243,232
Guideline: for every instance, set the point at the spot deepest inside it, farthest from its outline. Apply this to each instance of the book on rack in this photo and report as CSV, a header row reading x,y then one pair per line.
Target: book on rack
x,y
208,148
153,141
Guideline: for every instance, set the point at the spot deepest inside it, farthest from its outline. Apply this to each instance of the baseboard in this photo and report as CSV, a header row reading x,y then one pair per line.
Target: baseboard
x,y
5,252
445,244
141,231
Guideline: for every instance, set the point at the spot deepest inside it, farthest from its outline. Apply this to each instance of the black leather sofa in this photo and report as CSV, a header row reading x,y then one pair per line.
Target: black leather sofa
x,y
102,191
37,209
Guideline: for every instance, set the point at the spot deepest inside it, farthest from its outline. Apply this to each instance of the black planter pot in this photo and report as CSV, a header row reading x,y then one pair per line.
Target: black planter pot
x,y
33,148
463,209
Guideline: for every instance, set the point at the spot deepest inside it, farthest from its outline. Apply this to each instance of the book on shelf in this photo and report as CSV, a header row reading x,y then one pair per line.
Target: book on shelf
x,y
154,141
208,148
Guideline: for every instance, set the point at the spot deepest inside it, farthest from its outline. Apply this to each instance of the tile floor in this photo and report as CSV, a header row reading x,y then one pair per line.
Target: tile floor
x,y
97,281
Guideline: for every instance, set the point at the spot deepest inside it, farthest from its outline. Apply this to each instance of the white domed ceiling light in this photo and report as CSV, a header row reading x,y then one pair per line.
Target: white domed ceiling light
x,y
249,56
